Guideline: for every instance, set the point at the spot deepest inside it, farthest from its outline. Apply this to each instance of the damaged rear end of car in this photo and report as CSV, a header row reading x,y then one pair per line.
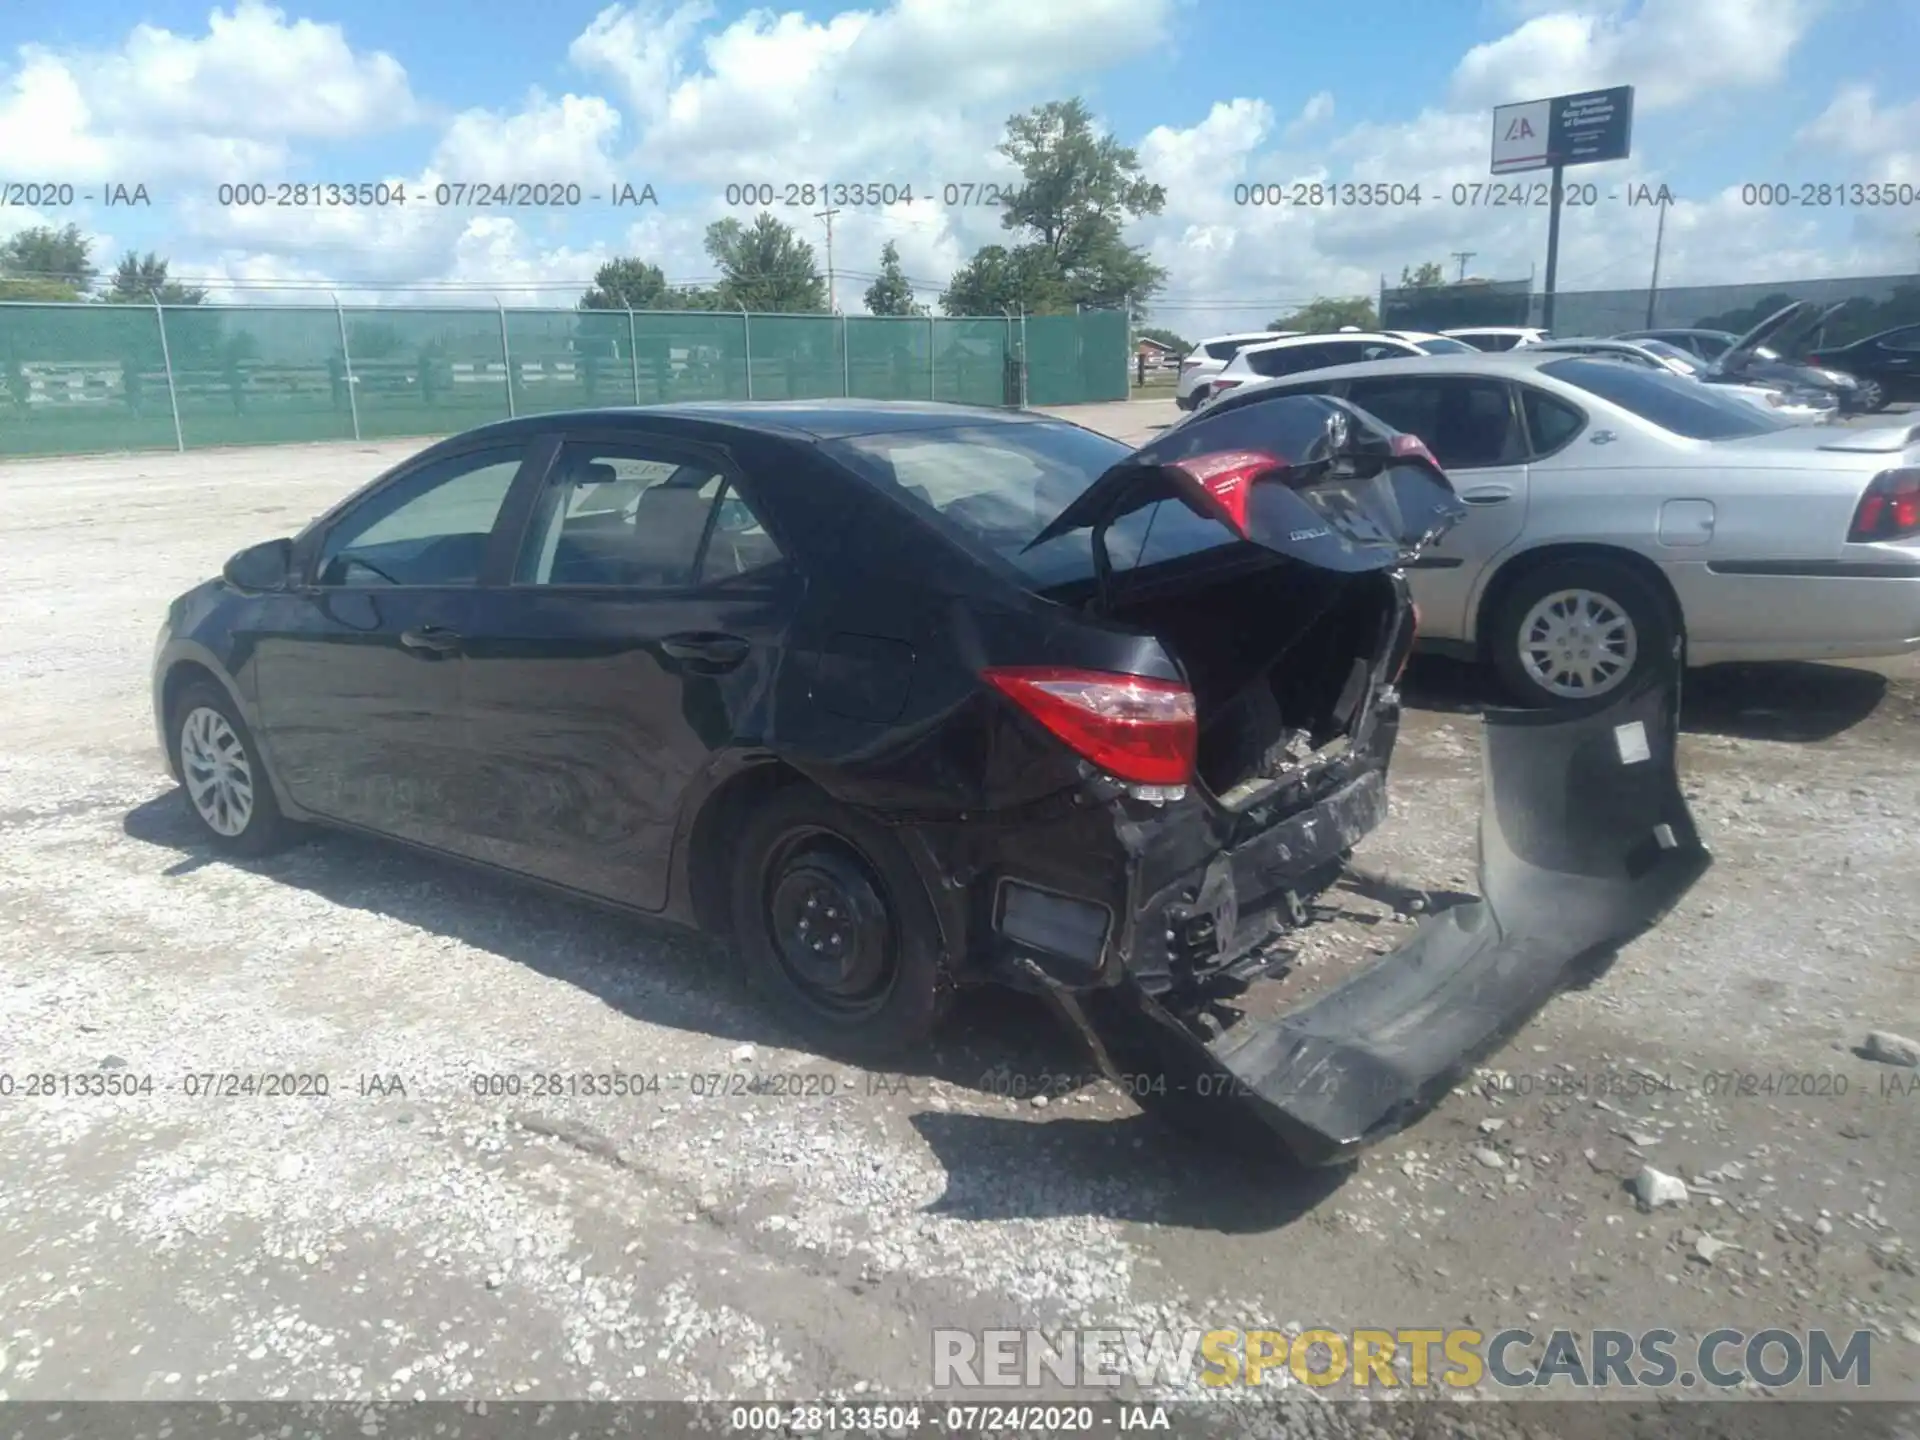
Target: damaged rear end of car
x,y
1177,738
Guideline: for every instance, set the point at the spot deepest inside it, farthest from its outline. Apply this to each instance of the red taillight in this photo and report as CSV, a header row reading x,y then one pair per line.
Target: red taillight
x,y
1890,509
1413,447
1133,728
1226,477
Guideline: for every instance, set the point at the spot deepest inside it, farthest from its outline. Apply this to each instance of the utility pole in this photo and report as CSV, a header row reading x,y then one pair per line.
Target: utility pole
x,y
827,215
1463,256
1653,285
1554,198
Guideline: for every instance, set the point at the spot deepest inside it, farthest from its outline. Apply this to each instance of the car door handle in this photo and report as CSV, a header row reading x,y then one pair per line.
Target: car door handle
x,y
706,649
434,639
1487,495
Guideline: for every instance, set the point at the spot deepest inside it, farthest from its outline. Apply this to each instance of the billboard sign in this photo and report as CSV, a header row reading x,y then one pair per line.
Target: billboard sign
x,y
1582,129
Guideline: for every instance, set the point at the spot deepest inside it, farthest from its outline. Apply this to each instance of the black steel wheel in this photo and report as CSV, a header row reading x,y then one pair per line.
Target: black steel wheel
x,y
835,927
831,928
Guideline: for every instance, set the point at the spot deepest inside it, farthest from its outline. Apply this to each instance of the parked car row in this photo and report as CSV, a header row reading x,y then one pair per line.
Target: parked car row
x,y
1615,506
1295,354
1753,368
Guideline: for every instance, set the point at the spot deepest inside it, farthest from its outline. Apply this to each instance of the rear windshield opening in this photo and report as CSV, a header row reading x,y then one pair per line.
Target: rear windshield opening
x,y
1673,402
995,487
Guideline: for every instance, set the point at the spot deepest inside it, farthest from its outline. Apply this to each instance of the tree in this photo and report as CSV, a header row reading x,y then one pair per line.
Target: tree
x,y
1078,188
891,294
38,290
1326,314
1167,338
138,280
1429,273
627,284
765,267
630,284
43,253
997,280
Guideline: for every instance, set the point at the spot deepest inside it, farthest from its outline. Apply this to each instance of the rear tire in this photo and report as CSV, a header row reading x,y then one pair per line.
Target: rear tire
x,y
223,775
835,928
1870,397
1577,631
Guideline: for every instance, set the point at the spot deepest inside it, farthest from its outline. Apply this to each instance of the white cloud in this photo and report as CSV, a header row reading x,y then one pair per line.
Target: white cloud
x,y
917,92
1317,110
223,106
1670,51
641,47
865,95
568,139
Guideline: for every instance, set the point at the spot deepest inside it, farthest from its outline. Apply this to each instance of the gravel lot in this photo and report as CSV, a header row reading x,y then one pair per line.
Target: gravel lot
x,y
405,1236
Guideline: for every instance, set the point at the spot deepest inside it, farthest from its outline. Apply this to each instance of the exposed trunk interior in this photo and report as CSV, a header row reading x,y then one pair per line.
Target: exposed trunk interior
x,y
1278,661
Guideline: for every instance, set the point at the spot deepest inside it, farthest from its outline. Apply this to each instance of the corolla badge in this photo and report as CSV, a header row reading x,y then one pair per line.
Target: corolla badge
x,y
1315,534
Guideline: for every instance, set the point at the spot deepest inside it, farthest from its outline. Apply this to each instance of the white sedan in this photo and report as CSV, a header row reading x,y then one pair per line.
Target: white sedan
x,y
1614,510
1804,406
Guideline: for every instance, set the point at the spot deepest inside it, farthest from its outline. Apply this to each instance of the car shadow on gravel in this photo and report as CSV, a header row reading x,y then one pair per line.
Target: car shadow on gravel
x,y
1132,1169
1789,701
997,1042
999,1045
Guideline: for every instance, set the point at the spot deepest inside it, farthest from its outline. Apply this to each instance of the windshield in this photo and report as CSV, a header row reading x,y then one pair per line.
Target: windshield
x,y
1670,401
1444,345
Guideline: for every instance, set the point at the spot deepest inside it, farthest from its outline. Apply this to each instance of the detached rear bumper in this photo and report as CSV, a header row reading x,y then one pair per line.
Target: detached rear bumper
x,y
1586,841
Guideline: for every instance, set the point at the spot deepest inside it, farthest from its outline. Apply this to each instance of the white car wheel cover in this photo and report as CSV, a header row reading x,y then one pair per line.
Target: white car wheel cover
x,y
1577,644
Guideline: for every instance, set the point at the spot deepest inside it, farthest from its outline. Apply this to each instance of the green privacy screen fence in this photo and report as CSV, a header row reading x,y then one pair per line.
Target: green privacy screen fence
x,y
84,378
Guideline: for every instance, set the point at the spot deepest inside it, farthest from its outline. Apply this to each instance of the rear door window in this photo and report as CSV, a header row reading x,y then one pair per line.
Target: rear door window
x,y
1466,422
1287,360
1227,349
1551,422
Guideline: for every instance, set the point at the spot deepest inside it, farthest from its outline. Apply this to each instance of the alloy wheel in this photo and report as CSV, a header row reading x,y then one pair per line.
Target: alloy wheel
x,y
1578,644
831,927
214,764
1871,396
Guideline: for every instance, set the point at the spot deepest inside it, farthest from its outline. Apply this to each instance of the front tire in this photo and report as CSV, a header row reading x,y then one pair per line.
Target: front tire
x,y
835,928
223,776
1578,631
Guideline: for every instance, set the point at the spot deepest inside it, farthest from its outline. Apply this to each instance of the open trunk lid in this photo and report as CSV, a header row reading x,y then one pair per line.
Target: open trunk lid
x,y
1307,476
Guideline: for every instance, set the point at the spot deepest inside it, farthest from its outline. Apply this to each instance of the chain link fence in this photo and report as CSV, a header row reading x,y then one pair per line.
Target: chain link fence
x,y
1869,304
87,378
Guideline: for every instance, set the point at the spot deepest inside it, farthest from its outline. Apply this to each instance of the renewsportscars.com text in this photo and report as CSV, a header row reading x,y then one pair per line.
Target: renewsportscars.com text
x,y
1458,1359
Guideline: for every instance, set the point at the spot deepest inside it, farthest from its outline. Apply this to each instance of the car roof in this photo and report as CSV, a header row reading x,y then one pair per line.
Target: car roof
x,y
1676,330
1291,341
1236,335
809,419
1495,330
1498,363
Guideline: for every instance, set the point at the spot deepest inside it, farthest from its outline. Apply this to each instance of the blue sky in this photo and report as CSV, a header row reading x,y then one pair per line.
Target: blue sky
x,y
1214,94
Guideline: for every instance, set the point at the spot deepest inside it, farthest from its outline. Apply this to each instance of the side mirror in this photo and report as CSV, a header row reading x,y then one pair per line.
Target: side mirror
x,y
260,567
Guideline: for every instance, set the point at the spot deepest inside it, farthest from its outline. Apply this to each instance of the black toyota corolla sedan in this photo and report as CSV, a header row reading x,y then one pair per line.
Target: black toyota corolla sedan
x,y
907,697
